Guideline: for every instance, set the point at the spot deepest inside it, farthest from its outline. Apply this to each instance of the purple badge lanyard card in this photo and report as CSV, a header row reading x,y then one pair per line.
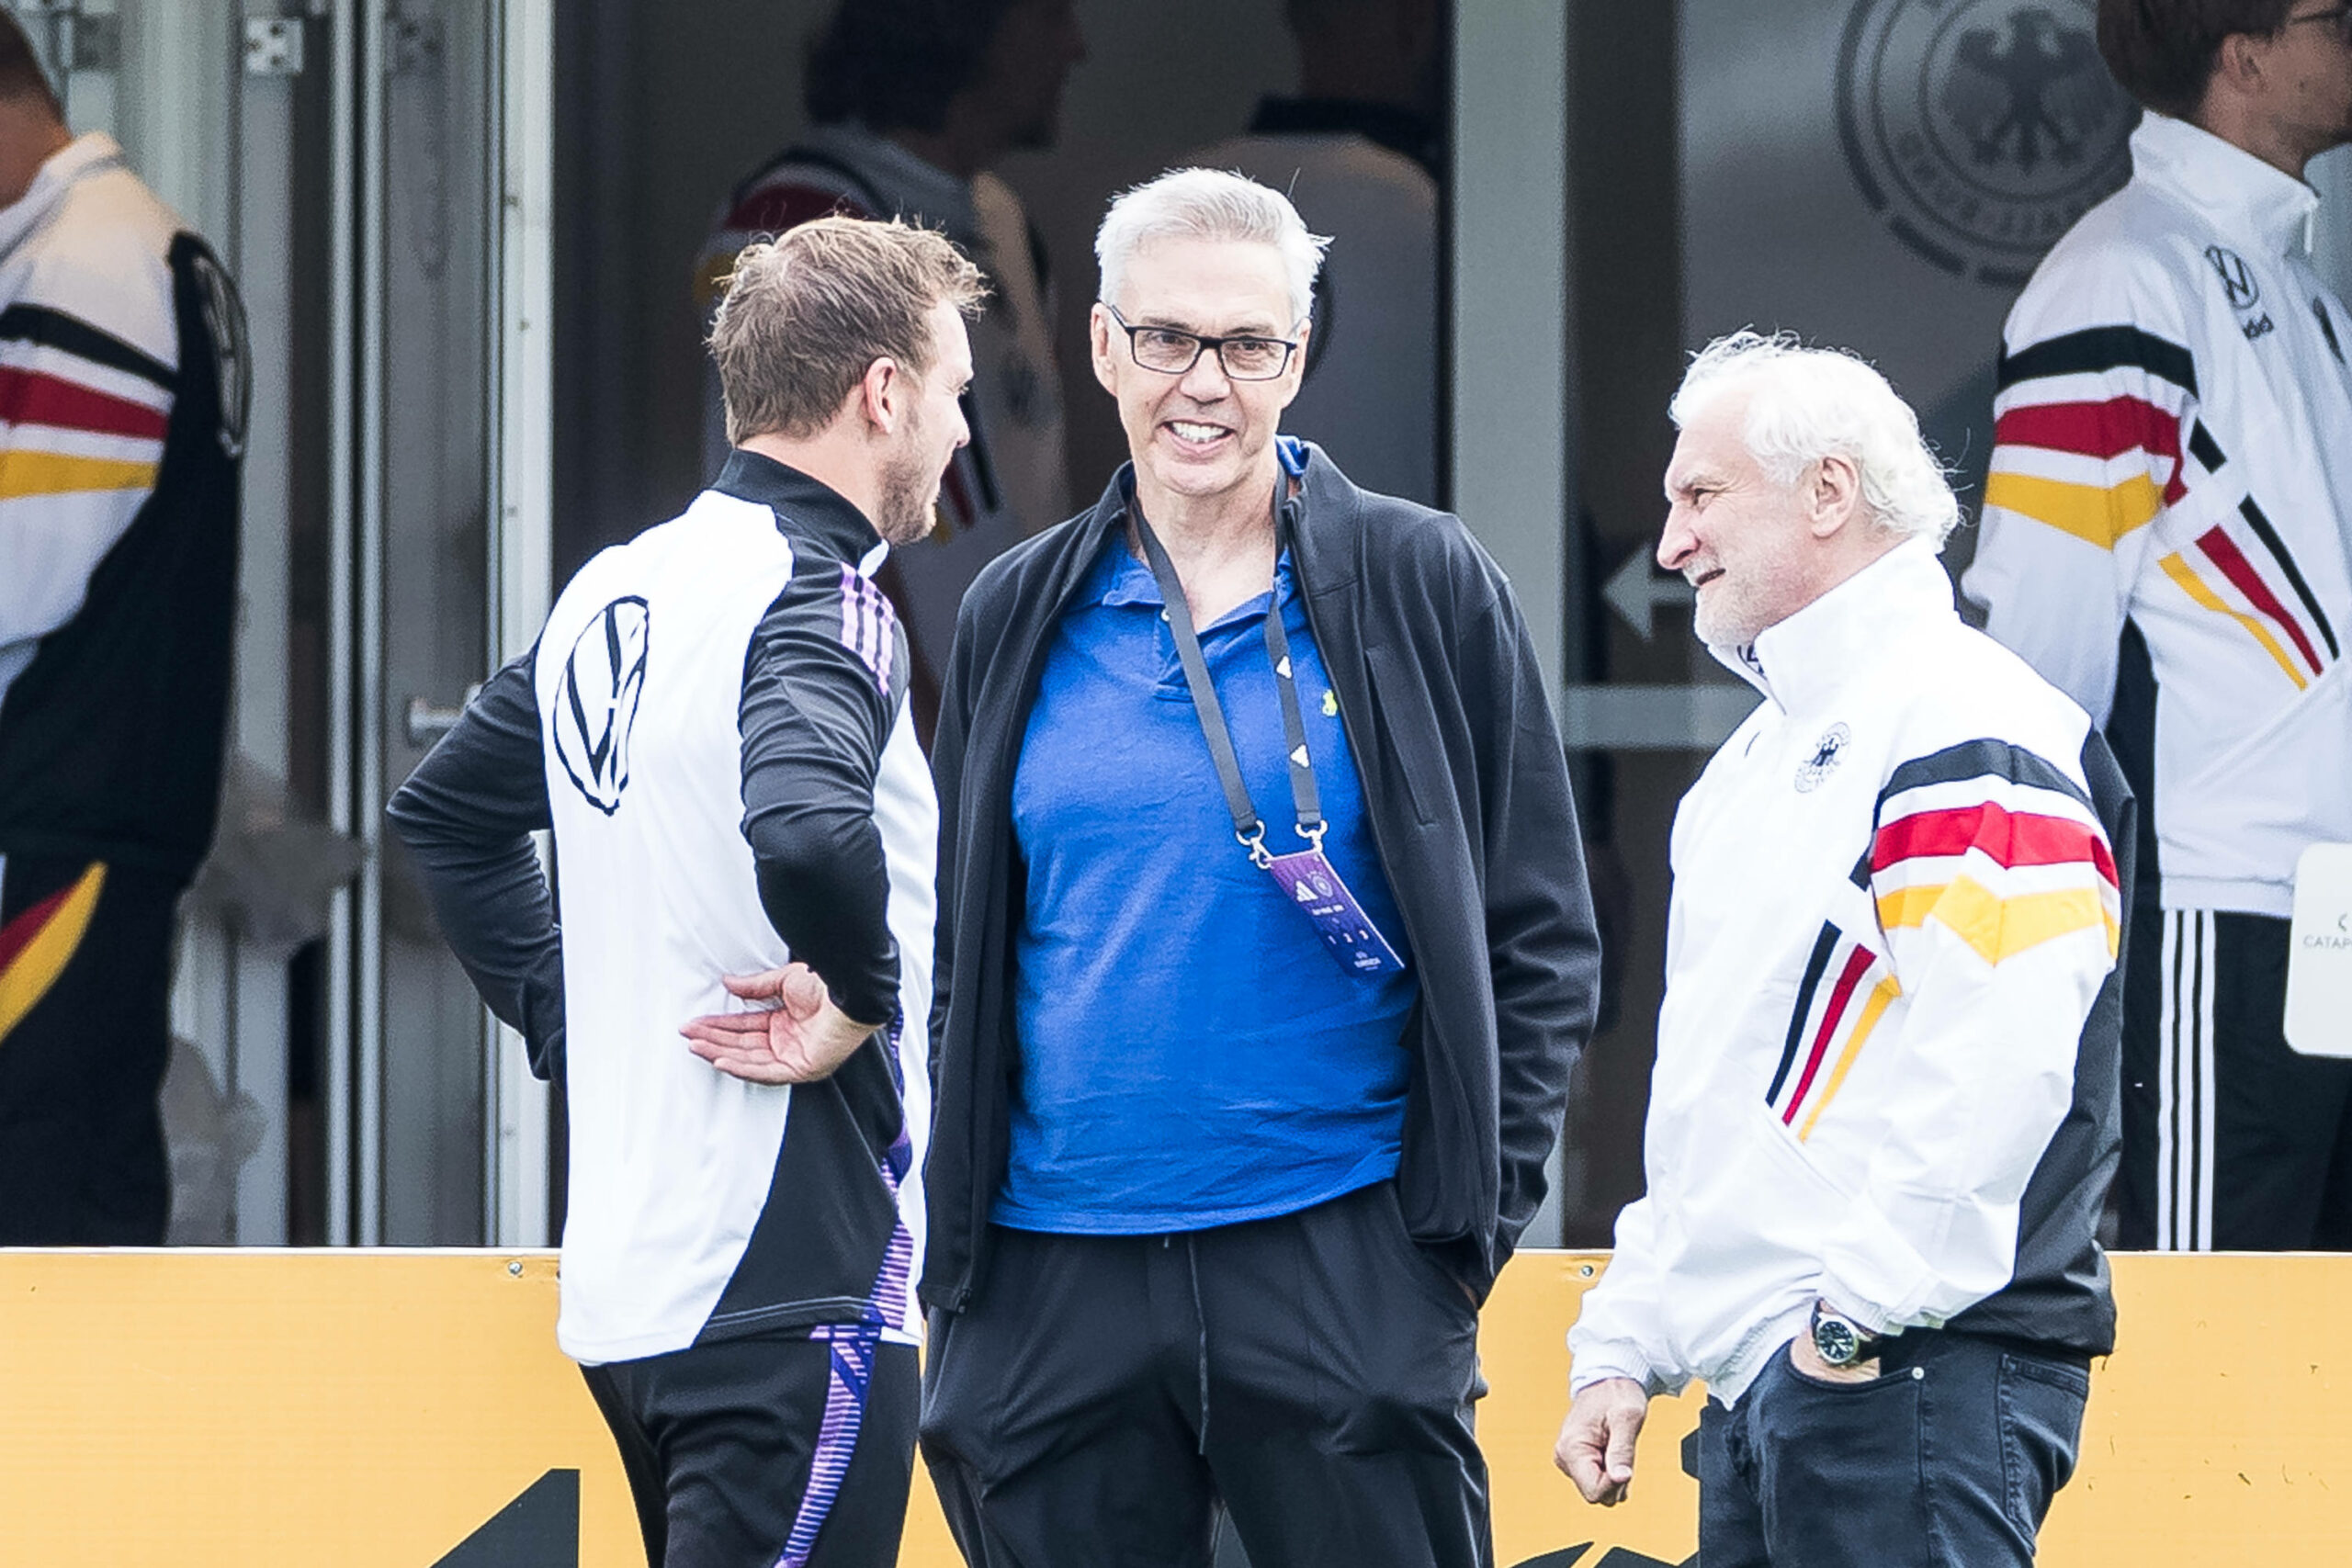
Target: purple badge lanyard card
x,y
1308,877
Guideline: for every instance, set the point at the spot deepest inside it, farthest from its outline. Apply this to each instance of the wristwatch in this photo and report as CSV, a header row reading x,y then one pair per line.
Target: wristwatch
x,y
1838,1340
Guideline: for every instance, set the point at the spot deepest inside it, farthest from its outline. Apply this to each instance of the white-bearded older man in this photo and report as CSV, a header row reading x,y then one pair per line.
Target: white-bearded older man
x,y
1882,1119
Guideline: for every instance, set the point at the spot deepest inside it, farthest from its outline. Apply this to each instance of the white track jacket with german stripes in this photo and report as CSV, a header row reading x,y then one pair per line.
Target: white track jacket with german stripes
x,y
1894,907
2174,448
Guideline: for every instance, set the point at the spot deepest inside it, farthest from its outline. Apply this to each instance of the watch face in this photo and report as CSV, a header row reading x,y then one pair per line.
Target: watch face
x,y
1836,1341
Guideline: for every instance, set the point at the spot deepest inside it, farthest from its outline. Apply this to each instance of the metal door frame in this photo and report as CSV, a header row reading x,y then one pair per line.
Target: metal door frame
x,y
517,1110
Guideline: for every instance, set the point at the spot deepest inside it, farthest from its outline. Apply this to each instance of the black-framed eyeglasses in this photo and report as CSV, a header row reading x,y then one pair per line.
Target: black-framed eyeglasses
x,y
2337,16
1172,352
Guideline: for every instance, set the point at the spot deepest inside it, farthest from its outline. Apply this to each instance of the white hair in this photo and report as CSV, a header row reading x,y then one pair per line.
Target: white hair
x,y
1208,204
1804,404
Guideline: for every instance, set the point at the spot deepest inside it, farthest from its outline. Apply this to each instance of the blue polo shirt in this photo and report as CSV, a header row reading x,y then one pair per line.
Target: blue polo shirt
x,y
1191,1052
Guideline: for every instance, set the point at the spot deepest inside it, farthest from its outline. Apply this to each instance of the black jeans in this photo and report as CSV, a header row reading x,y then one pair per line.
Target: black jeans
x,y
1949,1459
1104,1395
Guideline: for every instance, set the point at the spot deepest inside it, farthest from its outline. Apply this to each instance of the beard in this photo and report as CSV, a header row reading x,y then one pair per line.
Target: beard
x,y
1763,584
1723,623
910,498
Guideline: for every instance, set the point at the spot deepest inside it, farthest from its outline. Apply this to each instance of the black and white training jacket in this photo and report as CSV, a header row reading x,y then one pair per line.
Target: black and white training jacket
x,y
714,724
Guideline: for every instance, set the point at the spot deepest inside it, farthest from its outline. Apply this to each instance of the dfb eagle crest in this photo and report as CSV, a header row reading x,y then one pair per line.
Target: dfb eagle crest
x,y
1980,130
2039,92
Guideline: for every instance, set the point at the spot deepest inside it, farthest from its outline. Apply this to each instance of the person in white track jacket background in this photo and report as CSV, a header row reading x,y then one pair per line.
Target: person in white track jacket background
x,y
1882,1118
912,104
2167,537
124,381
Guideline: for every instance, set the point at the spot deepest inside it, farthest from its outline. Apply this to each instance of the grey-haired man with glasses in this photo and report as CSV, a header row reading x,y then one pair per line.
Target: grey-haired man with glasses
x,y
1265,955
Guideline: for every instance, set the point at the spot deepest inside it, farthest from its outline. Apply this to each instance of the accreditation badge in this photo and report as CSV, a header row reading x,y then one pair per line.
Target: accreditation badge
x,y
1314,886
2319,953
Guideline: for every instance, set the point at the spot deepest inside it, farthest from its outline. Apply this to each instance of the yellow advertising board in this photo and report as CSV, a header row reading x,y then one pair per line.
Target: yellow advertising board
x,y
409,1410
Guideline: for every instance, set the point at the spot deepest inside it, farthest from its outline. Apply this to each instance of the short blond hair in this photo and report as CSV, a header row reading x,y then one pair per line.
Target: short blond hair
x,y
808,312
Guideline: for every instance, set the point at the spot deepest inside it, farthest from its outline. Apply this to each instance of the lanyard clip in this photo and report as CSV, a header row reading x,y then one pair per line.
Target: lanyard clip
x,y
1313,833
1254,841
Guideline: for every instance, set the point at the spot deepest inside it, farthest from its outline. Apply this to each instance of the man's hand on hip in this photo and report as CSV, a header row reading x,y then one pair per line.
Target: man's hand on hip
x,y
798,1038
1595,1445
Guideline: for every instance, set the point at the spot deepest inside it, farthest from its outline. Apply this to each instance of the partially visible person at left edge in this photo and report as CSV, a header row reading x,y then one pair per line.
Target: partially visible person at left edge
x,y
1265,955
122,413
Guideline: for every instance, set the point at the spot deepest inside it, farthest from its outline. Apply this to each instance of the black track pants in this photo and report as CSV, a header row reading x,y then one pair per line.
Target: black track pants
x,y
767,1453
2231,1140
1314,1374
85,977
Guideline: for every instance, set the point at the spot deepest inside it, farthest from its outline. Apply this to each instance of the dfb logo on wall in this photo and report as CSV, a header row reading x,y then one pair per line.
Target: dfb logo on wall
x,y
603,680
1980,130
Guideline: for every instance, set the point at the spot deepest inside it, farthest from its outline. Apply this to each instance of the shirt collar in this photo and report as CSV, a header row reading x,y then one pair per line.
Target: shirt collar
x,y
808,510
85,155
1803,661
2270,208
1123,580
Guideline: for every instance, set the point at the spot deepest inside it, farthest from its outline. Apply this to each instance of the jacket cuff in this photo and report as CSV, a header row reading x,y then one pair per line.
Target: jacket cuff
x,y
1869,1273
1600,1360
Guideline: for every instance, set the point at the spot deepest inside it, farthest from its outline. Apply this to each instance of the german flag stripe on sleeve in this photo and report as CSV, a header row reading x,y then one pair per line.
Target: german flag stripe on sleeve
x,y
2204,448
1981,759
2022,863
55,329
1858,963
36,945
2009,839
2224,552
1882,996
2106,429
2096,350
50,473
2260,523
1816,966
2096,514
1838,1027
2202,593
38,398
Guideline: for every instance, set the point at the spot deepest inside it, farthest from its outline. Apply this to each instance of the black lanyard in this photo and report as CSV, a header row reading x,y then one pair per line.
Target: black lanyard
x,y
1248,826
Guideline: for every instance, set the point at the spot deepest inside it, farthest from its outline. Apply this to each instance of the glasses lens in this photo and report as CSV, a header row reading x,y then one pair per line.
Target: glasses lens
x,y
1254,358
1159,349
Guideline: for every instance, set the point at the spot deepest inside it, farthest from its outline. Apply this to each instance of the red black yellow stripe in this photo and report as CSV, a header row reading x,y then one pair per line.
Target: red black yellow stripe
x,y
2102,430
39,942
34,397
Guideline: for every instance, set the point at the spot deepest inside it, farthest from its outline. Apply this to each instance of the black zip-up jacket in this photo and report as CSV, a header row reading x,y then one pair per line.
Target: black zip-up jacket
x,y
1466,785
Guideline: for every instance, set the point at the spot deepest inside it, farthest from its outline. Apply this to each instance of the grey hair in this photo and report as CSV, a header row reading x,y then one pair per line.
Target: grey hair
x,y
1805,404
1208,204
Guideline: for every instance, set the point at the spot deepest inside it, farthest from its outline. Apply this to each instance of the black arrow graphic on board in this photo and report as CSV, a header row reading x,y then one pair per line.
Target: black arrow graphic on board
x,y
1618,1557
538,1530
